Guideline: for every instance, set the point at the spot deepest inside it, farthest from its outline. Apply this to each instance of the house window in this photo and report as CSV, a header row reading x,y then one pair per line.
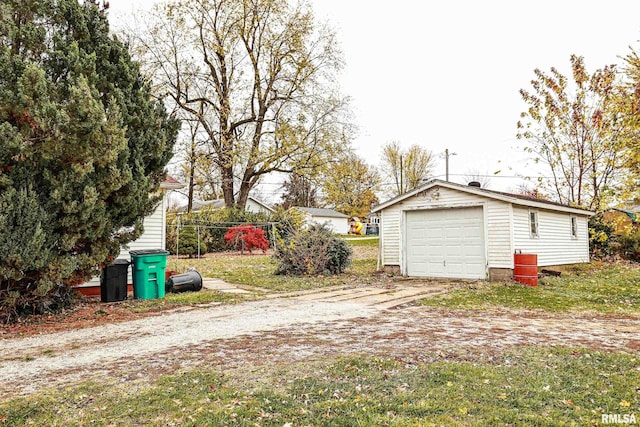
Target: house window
x,y
533,223
574,227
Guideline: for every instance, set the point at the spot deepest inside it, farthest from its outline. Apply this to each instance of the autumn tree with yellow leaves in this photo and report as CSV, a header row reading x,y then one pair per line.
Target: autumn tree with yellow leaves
x,y
580,128
350,186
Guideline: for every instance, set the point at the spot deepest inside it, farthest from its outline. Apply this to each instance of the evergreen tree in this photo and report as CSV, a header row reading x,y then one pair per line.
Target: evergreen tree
x,y
82,147
299,190
188,243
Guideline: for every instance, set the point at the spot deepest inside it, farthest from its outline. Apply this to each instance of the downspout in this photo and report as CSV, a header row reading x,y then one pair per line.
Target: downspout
x,y
379,265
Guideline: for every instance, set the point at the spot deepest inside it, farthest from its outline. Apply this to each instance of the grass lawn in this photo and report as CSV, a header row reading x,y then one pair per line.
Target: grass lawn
x,y
610,289
542,386
533,387
171,300
259,270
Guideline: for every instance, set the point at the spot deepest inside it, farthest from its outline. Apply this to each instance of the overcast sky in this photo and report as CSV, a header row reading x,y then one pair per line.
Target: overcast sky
x,y
447,74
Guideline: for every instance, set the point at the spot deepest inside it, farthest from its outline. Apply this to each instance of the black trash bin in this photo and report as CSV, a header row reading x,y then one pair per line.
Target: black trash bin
x,y
189,281
113,283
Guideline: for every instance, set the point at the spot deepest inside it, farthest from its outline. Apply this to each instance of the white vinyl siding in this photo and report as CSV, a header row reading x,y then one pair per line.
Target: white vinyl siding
x,y
499,234
554,245
153,236
255,207
337,225
390,236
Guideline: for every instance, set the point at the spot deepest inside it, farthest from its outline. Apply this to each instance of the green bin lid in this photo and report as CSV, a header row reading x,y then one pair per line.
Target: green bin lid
x,y
142,252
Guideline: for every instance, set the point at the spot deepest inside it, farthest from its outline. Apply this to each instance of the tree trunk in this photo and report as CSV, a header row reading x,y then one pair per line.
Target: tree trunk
x,y
245,188
191,185
227,186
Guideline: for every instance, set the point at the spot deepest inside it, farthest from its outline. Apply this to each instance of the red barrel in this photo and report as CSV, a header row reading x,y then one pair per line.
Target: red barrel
x,y
525,269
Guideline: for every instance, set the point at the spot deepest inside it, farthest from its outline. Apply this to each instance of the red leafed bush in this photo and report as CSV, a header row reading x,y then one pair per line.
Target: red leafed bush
x,y
247,237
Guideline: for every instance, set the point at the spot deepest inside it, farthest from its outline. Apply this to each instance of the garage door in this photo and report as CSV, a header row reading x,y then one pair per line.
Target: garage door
x,y
446,243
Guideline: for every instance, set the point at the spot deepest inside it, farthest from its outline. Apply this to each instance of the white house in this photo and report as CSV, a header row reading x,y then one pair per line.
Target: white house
x,y
253,205
450,230
337,222
153,237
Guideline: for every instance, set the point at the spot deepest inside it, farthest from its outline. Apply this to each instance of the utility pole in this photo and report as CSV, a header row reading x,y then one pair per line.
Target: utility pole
x,y
446,162
401,169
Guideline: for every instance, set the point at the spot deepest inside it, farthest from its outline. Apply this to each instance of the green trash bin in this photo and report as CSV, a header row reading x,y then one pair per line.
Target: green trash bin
x,y
148,273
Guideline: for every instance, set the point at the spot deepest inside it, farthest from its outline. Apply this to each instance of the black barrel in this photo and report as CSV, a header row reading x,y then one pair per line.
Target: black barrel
x,y
185,282
113,283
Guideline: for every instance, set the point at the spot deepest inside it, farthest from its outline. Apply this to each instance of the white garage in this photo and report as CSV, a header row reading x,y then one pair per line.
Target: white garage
x,y
446,243
447,230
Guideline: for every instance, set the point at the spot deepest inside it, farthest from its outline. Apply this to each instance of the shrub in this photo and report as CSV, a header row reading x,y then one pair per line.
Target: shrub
x,y
630,245
339,253
170,232
247,237
288,221
188,241
601,237
313,251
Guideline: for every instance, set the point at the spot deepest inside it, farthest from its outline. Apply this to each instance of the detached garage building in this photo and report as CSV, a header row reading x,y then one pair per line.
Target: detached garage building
x,y
455,231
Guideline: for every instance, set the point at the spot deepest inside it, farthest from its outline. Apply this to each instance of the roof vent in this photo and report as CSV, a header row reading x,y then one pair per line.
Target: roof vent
x,y
474,184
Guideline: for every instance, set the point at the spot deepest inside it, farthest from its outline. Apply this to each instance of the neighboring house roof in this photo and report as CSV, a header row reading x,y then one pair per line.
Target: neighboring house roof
x,y
517,199
635,217
199,204
322,212
170,183
218,204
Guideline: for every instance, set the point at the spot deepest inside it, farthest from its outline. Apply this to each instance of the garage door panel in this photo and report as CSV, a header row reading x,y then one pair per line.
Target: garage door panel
x,y
434,269
446,243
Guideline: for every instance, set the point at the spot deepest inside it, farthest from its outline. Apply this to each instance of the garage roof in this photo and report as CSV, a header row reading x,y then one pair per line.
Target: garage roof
x,y
517,199
322,212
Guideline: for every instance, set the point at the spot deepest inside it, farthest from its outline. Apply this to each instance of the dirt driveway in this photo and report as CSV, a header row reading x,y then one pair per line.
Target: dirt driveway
x,y
366,320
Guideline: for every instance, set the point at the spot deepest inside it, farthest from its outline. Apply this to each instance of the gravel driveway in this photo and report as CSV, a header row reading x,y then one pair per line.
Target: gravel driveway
x,y
362,320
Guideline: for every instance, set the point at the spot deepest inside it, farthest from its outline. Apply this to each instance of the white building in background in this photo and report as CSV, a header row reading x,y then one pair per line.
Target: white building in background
x,y
337,222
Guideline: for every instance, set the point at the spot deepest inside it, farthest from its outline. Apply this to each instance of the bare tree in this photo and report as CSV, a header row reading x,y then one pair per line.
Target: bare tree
x,y
259,78
406,169
300,190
